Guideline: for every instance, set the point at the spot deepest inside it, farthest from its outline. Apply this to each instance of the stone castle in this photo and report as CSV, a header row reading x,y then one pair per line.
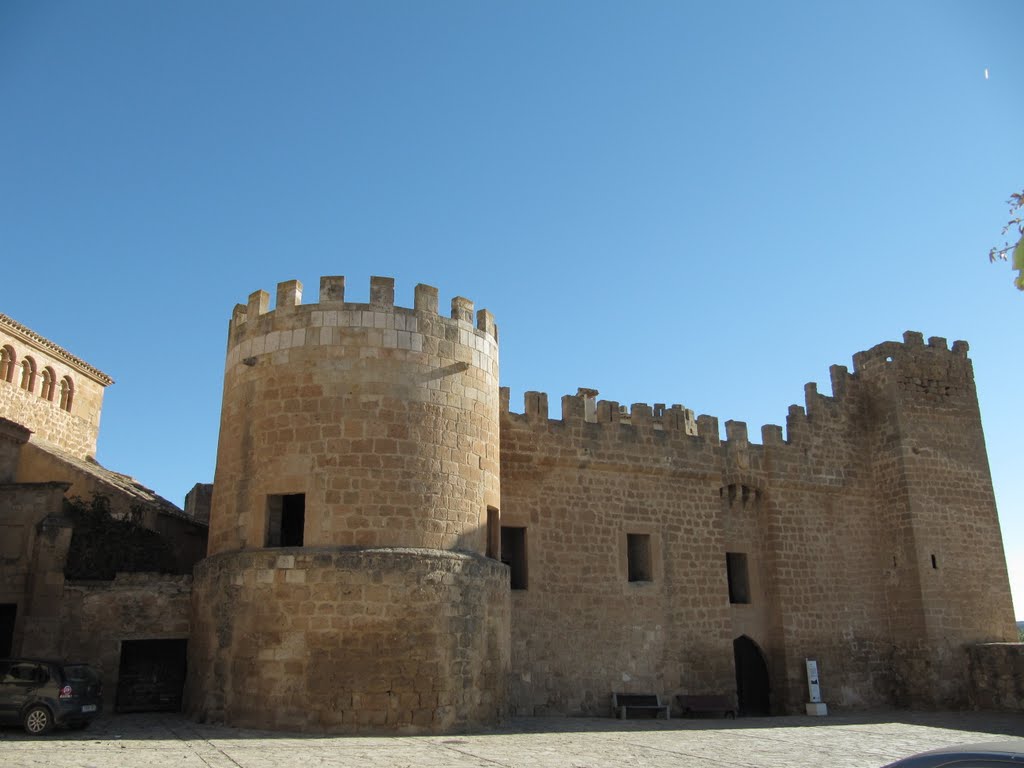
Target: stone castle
x,y
392,548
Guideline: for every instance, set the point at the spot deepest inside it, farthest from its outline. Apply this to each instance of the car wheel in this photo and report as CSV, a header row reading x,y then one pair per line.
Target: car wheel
x,y
37,721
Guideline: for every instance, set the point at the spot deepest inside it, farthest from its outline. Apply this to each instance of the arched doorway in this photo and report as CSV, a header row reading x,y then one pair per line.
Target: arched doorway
x,y
752,686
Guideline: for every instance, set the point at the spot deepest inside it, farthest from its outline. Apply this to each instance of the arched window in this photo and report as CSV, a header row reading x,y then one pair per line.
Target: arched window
x,y
67,393
7,362
28,374
49,384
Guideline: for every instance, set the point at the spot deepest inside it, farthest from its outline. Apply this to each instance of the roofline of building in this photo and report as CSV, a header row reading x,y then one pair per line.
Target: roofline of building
x,y
45,345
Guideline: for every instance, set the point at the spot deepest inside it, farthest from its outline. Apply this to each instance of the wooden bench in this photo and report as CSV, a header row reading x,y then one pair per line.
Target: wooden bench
x,y
705,703
625,704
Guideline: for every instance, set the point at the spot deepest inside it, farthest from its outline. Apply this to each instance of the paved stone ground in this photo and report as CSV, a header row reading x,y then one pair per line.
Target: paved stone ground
x,y
857,741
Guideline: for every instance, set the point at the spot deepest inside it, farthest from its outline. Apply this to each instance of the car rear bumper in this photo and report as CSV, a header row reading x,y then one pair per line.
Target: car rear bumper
x,y
76,711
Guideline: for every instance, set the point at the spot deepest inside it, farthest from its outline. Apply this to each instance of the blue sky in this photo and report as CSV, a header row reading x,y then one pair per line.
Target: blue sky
x,y
702,203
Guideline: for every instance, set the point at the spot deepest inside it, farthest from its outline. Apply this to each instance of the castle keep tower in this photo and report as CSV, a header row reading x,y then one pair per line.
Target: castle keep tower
x,y
947,586
355,502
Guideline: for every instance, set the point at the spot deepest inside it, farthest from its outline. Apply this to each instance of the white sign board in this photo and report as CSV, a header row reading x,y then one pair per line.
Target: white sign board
x,y
813,689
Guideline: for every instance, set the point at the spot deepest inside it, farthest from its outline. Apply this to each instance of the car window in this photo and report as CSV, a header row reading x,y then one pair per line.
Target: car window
x,y
26,672
80,673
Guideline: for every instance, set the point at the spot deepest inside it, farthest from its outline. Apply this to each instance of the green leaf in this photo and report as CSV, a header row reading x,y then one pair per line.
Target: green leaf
x,y
1018,255
1018,264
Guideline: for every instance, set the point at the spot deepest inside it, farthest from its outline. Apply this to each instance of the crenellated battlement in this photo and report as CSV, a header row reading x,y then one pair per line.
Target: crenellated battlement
x,y
912,347
912,357
256,316
256,329
584,407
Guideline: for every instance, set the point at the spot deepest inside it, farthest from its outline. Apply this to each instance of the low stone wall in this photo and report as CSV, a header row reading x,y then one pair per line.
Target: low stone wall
x,y
349,640
997,676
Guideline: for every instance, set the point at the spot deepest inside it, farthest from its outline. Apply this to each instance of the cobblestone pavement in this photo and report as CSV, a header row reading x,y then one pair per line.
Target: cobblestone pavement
x,y
858,741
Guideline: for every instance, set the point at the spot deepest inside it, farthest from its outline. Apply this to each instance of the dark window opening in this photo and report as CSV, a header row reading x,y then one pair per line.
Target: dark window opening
x,y
934,563
28,374
493,534
49,384
638,556
739,583
286,520
8,614
513,554
67,393
8,362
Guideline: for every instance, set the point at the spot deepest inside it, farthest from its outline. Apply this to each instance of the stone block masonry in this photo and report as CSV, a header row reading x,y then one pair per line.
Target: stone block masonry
x,y
868,539
384,419
371,474
393,549
47,389
354,502
997,676
97,617
350,640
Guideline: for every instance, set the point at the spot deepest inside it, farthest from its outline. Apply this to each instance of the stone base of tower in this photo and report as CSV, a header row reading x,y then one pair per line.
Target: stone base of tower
x,y
349,640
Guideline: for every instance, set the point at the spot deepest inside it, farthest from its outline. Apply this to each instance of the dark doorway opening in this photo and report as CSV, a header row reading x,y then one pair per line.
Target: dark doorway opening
x,y
286,520
151,676
752,687
8,613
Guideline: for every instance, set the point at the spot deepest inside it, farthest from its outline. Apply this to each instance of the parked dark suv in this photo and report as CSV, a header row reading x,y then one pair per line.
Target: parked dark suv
x,y
40,694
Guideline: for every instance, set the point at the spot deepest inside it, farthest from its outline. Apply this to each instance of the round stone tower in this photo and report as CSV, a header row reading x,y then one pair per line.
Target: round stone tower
x,y
349,585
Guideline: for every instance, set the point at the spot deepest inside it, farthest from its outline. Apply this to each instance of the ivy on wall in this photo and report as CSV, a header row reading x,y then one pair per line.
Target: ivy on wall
x,y
102,544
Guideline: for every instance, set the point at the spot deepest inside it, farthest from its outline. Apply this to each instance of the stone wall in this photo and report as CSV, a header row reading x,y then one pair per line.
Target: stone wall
x,y
96,617
13,437
197,502
578,491
870,536
997,676
349,640
31,553
581,488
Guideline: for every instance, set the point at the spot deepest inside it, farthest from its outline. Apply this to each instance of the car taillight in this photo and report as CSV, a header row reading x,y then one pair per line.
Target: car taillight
x,y
66,692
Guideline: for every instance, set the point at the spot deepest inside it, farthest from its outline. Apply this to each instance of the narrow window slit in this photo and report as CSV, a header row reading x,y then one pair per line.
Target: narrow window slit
x,y
513,554
739,580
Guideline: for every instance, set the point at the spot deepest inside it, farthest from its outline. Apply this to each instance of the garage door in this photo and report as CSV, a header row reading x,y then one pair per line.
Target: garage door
x,y
151,676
